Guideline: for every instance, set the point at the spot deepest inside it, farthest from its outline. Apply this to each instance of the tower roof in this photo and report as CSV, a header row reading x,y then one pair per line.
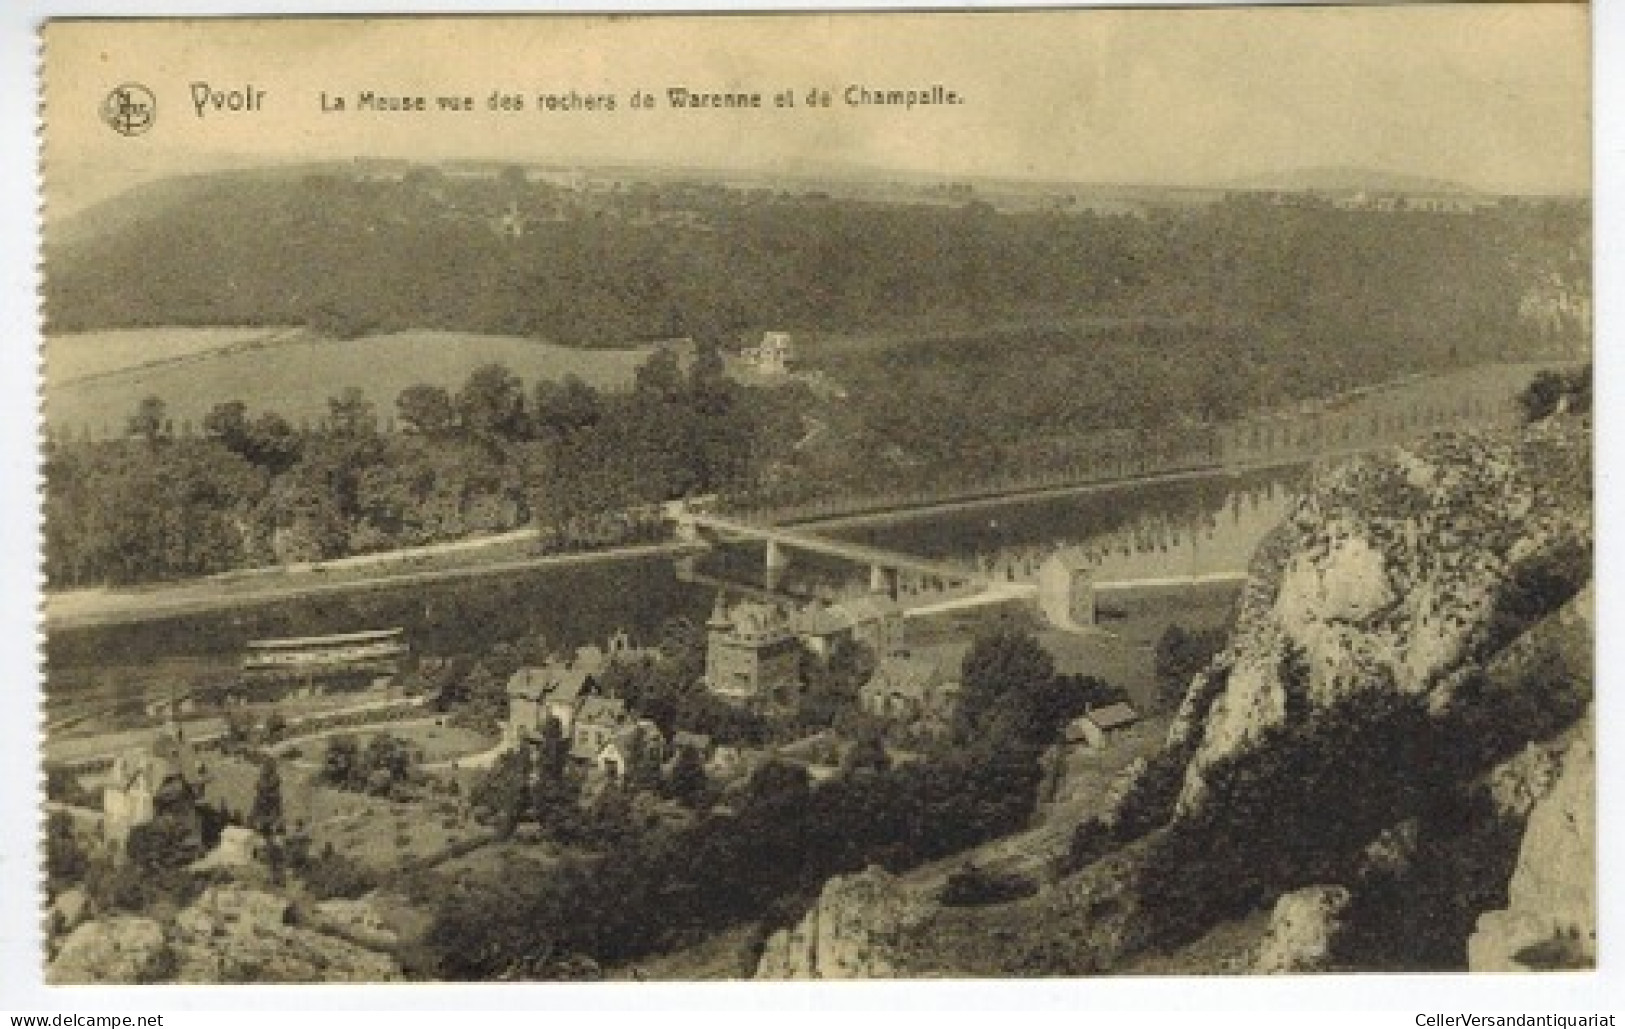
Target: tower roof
x,y
719,613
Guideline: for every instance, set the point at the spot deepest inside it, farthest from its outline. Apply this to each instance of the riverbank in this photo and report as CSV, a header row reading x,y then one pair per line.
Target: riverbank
x,y
88,608
78,609
1392,408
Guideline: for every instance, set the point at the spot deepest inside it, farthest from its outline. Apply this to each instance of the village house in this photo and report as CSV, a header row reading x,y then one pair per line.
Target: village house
x,y
698,742
751,655
1097,728
820,754
874,621
913,687
527,696
733,762
166,778
771,356
555,690
628,744
596,721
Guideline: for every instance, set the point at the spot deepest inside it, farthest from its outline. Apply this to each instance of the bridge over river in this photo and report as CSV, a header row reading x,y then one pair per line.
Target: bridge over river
x,y
885,566
1367,419
948,586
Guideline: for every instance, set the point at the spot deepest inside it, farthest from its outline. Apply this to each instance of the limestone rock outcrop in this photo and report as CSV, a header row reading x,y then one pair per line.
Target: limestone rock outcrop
x,y
239,848
237,934
121,950
230,934
850,933
1303,930
1550,920
355,920
1394,573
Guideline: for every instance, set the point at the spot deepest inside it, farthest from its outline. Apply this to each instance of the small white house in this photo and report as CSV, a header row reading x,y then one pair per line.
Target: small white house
x,y
1096,729
771,356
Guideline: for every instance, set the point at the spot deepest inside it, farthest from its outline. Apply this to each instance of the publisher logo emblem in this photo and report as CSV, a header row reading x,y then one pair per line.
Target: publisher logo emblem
x,y
130,109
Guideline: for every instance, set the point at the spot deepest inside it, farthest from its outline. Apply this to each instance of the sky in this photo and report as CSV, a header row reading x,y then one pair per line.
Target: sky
x,y
1492,96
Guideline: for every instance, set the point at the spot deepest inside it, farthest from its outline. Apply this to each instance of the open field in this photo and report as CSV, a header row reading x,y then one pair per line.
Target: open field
x,y
105,736
1123,653
94,380
80,356
385,834
438,742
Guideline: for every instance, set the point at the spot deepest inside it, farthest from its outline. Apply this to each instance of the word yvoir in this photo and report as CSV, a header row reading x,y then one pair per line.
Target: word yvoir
x,y
889,495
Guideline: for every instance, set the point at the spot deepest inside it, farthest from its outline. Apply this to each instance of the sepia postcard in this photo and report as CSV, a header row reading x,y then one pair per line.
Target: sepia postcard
x,y
806,496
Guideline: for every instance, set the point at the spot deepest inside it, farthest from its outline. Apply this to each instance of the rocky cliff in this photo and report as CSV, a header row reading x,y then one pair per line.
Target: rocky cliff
x,y
1411,660
230,934
851,932
1404,688
1550,921
1397,573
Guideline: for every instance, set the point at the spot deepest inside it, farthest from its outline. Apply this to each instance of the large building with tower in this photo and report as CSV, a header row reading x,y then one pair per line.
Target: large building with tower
x,y
751,654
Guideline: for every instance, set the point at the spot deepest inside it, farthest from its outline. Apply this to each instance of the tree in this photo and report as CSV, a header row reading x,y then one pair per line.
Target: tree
x,y
553,752
491,404
65,858
504,791
341,764
1550,390
228,423
778,786
660,375
708,380
682,646
686,781
168,842
1180,654
272,443
867,753
531,648
850,664
483,696
237,726
149,422
645,771
305,519
350,415
265,816
502,660
567,407
555,799
1005,663
389,755
427,411
275,725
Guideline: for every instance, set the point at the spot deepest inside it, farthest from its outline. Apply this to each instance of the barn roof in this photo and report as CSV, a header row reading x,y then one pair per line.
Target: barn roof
x,y
530,682
1113,716
601,711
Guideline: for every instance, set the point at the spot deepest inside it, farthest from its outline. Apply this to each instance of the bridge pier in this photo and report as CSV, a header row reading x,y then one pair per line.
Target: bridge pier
x,y
686,530
882,580
777,559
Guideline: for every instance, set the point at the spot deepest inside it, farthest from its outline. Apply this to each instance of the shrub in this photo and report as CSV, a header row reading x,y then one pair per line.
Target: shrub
x,y
334,875
973,886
